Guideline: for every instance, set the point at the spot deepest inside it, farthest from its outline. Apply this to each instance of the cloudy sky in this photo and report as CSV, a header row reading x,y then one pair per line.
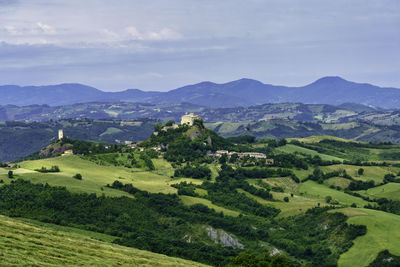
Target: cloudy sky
x,y
161,45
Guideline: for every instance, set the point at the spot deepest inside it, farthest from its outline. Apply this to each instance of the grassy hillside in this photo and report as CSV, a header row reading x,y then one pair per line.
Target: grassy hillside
x,y
290,148
382,233
95,176
375,173
27,244
389,191
313,189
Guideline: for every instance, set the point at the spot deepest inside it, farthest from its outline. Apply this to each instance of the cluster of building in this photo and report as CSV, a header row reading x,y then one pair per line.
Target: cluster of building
x,y
188,119
185,119
255,155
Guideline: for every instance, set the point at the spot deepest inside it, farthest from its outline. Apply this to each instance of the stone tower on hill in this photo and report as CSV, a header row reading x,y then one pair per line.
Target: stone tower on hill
x,y
60,134
189,118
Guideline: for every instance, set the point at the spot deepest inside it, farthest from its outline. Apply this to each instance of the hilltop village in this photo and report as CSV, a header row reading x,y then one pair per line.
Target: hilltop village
x,y
190,120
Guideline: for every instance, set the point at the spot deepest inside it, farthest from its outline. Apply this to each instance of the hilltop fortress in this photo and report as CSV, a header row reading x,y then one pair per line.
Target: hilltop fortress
x,y
189,118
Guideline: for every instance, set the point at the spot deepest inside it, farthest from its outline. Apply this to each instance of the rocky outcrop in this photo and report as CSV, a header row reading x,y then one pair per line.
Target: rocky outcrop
x,y
219,236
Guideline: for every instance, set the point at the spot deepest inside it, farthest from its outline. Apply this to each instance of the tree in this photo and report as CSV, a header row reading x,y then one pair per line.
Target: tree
x,y
198,122
157,127
317,173
282,142
170,123
286,199
360,171
328,199
78,176
234,157
223,158
10,174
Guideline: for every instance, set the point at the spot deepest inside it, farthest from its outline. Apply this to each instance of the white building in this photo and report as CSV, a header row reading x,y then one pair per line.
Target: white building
x,y
60,134
189,118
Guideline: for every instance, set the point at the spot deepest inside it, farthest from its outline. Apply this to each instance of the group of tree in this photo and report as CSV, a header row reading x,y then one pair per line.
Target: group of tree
x,y
54,168
197,172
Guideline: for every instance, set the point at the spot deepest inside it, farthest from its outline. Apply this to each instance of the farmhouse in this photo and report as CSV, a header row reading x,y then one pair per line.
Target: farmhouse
x,y
67,152
189,118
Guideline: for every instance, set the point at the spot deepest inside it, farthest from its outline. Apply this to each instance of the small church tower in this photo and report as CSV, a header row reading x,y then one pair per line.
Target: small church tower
x,y
60,134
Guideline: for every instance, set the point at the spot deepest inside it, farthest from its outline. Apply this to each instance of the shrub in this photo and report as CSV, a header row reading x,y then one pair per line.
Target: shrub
x,y
10,174
328,199
286,199
77,176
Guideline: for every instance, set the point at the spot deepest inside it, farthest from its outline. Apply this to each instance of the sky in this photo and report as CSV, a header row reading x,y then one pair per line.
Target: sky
x,y
161,45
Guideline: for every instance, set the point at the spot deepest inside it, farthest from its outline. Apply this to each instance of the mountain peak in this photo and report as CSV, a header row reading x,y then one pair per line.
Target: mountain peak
x,y
245,81
330,80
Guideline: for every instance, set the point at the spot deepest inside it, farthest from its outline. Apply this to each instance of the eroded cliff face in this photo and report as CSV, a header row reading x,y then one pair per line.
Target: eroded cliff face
x,y
219,236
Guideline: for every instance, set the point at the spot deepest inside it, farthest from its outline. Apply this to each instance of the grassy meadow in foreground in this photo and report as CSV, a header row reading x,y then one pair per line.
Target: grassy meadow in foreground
x,y
26,244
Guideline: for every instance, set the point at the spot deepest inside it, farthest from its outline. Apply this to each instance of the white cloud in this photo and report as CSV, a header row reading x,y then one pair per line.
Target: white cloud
x,y
36,29
44,28
163,34
132,33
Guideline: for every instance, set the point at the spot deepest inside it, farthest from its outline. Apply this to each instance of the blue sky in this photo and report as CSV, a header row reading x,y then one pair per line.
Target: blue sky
x,y
161,45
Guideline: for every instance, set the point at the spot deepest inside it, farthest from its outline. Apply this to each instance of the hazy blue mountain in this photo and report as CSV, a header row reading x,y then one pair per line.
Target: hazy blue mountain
x,y
243,92
52,95
336,91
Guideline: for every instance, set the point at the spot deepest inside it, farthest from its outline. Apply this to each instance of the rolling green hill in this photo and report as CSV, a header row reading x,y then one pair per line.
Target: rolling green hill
x,y
310,204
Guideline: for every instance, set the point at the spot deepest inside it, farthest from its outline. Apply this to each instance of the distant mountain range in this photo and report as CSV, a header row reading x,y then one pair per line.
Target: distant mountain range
x,y
243,92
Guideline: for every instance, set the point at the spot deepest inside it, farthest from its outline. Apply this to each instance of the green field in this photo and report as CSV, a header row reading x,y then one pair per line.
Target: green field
x,y
28,244
94,176
389,191
375,173
111,130
290,148
296,205
188,200
313,189
382,233
338,181
316,139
